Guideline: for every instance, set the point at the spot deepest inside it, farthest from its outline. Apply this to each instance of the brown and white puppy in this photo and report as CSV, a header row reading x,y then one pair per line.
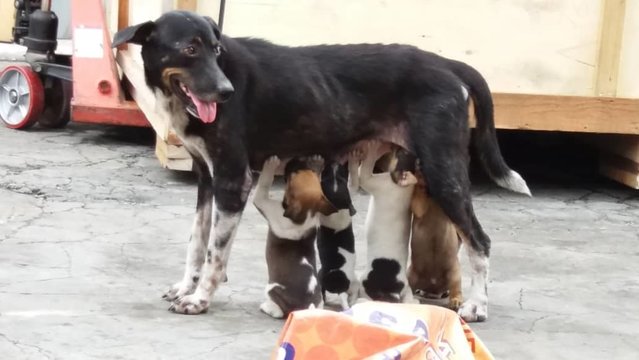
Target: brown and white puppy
x,y
290,246
434,271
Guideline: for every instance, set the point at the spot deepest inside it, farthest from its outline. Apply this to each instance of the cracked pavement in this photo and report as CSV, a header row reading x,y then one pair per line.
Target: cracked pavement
x,y
93,231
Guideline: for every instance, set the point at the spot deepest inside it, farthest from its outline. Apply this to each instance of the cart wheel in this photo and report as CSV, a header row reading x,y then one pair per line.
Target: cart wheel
x,y
57,103
21,97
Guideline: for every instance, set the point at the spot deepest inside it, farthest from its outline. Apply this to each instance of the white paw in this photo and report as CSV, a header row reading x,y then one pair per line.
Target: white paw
x,y
178,290
270,308
473,311
190,305
271,164
343,297
353,291
356,156
315,163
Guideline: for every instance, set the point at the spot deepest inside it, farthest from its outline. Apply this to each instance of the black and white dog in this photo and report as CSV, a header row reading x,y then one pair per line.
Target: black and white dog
x,y
237,101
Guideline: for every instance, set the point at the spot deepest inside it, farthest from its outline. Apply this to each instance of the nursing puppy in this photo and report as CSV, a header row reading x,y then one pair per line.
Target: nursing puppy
x,y
290,246
434,271
335,238
387,223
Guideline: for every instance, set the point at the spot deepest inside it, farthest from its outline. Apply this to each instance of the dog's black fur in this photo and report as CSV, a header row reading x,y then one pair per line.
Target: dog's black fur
x,y
331,240
294,101
382,280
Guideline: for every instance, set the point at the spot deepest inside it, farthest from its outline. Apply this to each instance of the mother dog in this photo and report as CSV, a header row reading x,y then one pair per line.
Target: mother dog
x,y
237,101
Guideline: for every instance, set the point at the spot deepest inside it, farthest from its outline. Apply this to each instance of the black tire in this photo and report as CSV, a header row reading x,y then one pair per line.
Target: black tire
x,y
57,104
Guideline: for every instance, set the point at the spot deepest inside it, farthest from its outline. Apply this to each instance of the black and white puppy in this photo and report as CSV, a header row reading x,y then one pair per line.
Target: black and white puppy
x,y
290,247
335,238
388,224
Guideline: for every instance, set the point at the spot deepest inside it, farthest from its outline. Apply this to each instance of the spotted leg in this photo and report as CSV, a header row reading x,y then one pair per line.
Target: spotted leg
x,y
230,199
196,250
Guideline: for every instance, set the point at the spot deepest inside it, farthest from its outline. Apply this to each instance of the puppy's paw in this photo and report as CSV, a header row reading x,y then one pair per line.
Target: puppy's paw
x,y
271,164
377,148
356,155
408,298
454,303
315,163
190,305
178,290
271,309
373,147
473,311
407,178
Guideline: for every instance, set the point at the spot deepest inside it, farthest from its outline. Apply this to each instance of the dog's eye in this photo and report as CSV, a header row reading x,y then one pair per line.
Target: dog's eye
x,y
217,49
190,50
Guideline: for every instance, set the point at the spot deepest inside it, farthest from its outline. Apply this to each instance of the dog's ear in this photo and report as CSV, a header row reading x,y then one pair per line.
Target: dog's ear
x,y
214,27
136,34
326,207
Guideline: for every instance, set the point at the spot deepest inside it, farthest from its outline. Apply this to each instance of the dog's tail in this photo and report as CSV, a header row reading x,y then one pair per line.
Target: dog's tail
x,y
485,137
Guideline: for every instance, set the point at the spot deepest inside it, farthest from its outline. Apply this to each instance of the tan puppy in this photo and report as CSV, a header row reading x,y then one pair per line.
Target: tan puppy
x,y
434,270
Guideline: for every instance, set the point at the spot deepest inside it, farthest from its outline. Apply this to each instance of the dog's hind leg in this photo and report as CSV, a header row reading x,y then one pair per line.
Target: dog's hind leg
x,y
196,250
230,195
440,134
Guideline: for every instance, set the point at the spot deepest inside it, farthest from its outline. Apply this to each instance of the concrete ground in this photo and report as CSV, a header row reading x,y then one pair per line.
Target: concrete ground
x,y
92,231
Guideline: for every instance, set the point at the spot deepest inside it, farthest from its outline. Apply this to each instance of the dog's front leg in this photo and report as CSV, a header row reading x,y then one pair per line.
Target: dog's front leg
x,y
196,250
230,198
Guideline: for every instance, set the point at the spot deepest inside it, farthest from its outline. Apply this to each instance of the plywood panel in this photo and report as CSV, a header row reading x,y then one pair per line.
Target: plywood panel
x,y
524,46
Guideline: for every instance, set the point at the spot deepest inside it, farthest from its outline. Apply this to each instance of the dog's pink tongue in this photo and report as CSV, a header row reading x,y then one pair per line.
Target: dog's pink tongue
x,y
206,110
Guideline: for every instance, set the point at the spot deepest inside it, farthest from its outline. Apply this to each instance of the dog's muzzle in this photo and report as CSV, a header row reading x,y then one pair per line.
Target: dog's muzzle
x,y
201,107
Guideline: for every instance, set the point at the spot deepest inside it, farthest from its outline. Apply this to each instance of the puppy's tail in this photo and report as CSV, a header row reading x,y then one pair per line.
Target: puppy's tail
x,y
485,137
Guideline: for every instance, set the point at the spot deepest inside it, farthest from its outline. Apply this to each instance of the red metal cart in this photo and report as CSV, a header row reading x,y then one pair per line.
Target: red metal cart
x,y
51,89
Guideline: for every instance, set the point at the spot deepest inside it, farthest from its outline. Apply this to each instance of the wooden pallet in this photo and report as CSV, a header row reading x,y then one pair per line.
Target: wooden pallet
x,y
619,158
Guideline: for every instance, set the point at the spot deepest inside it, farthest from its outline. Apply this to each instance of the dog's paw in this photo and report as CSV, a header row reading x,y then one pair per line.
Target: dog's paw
x,y
473,311
408,298
190,305
454,303
407,178
377,148
178,290
271,164
356,155
315,163
271,309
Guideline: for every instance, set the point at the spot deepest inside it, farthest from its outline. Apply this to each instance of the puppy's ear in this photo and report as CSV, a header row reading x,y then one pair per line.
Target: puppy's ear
x,y
214,27
325,207
136,34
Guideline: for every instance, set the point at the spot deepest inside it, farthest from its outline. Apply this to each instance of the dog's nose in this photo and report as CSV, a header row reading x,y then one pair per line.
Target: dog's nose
x,y
225,94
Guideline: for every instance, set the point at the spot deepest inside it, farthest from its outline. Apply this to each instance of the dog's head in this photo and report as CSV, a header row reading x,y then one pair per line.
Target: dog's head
x,y
181,52
304,196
